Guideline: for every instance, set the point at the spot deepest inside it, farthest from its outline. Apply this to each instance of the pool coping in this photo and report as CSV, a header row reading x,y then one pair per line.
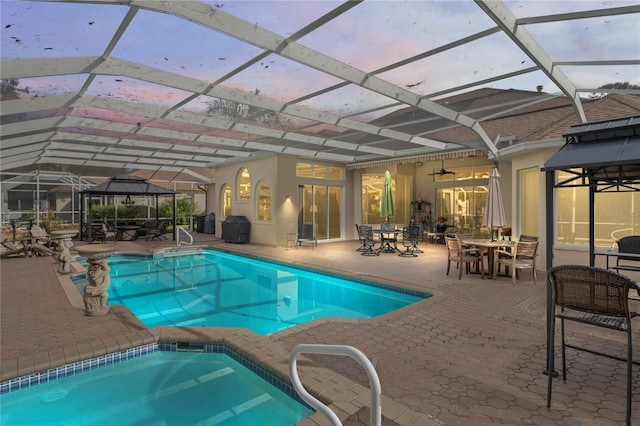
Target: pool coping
x,y
344,396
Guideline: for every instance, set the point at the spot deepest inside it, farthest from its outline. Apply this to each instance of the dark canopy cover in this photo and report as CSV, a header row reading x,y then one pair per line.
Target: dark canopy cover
x,y
128,185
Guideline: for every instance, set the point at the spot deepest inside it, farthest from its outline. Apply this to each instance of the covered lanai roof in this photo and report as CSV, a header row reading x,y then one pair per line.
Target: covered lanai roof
x,y
184,86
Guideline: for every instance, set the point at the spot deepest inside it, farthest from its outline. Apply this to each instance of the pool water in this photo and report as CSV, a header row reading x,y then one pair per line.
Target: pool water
x,y
162,388
212,288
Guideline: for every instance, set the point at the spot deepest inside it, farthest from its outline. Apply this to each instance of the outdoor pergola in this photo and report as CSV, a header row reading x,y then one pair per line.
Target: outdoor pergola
x,y
185,86
603,156
124,185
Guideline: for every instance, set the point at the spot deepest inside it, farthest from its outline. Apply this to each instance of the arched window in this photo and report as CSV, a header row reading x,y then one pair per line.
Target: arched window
x,y
243,185
225,200
263,205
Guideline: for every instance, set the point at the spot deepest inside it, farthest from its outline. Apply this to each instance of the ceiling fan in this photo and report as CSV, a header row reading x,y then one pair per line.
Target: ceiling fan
x,y
442,171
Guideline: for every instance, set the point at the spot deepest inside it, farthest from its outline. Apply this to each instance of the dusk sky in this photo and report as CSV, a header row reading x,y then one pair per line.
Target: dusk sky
x,y
368,37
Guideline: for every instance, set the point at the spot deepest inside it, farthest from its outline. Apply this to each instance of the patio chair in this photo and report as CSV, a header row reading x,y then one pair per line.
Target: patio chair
x,y
100,232
522,256
593,296
522,238
40,236
628,244
149,224
159,231
306,235
388,238
369,243
462,257
11,250
506,232
410,237
361,239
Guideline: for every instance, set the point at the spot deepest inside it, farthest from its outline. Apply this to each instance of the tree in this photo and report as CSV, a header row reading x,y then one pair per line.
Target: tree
x,y
9,89
615,86
183,210
235,111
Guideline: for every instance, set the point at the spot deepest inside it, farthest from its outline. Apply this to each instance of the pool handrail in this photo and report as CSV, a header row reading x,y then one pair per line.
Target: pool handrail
x,y
178,242
374,381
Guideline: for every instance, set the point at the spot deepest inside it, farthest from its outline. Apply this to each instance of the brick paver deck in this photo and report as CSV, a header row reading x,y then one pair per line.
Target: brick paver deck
x,y
473,354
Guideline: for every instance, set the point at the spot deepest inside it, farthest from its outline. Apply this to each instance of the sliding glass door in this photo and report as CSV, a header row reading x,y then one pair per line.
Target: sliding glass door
x,y
321,206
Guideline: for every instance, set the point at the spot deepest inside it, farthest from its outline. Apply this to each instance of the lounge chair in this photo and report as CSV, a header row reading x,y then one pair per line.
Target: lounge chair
x,y
41,250
40,236
11,250
159,231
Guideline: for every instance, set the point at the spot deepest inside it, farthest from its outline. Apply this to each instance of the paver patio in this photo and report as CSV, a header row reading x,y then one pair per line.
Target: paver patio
x,y
473,354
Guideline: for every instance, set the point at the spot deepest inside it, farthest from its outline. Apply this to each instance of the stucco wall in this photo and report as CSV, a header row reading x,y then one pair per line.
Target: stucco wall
x,y
280,172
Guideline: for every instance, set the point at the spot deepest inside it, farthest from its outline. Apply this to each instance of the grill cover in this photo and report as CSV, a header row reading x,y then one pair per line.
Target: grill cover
x,y
209,224
236,229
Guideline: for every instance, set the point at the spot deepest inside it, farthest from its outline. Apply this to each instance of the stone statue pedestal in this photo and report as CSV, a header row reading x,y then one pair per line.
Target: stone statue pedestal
x,y
64,244
96,292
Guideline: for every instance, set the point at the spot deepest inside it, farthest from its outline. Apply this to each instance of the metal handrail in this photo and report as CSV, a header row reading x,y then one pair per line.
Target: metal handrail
x,y
374,381
178,242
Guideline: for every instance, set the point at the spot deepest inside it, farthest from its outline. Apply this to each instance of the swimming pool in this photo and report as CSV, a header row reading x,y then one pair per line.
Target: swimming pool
x,y
152,387
213,288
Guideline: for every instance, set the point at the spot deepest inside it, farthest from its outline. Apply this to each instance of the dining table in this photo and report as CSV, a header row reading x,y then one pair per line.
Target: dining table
x,y
387,237
490,246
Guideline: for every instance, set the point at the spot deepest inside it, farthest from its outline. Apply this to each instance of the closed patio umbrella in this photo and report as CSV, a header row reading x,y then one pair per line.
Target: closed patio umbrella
x,y
386,203
494,216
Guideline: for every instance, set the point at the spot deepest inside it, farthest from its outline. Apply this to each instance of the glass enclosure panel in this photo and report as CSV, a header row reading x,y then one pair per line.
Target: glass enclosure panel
x,y
244,185
529,201
264,201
